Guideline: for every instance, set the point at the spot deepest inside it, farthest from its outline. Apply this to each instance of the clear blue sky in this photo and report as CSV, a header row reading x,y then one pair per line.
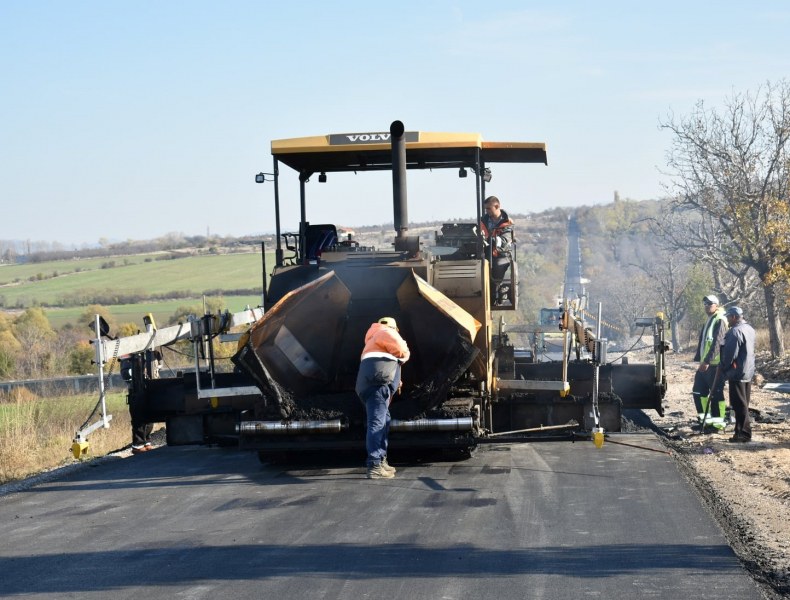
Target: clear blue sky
x,y
129,120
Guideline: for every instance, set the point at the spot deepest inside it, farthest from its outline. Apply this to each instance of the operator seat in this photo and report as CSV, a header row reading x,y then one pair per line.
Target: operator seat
x,y
317,239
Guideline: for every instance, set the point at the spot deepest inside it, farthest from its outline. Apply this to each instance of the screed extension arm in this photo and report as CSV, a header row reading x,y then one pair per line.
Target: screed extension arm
x,y
153,338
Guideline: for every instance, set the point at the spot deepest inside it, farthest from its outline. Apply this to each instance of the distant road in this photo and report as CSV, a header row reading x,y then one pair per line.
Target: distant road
x,y
573,268
551,520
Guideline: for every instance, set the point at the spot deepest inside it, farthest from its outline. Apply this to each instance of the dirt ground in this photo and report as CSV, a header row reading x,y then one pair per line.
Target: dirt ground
x,y
745,486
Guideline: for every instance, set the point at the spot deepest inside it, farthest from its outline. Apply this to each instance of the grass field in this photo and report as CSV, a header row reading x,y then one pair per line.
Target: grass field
x,y
66,287
23,272
36,434
134,313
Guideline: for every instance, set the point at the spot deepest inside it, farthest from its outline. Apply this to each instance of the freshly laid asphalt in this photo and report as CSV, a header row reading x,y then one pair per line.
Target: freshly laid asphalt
x,y
551,520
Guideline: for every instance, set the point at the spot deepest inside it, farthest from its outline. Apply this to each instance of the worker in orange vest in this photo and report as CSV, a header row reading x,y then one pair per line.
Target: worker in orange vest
x,y
379,378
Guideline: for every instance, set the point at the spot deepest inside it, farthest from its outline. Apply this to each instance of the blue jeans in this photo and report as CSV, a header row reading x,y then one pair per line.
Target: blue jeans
x,y
377,381
376,405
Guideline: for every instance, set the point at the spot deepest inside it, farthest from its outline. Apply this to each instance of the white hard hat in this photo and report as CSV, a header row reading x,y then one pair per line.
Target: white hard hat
x,y
389,322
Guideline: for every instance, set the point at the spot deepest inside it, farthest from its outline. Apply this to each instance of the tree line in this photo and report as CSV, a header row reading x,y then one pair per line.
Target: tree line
x,y
723,227
15,251
30,348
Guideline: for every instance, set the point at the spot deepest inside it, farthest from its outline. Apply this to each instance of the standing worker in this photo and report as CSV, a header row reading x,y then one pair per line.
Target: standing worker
x,y
708,390
377,381
141,432
142,428
497,228
737,367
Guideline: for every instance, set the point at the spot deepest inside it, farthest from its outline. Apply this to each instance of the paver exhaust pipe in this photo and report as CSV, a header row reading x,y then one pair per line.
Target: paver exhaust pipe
x,y
403,242
399,202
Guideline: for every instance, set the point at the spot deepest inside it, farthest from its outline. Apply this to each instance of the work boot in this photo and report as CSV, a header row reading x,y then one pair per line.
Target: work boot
x,y
388,467
378,472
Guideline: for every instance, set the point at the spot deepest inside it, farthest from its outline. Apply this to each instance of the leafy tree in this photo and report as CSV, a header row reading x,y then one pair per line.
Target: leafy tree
x,y
182,313
6,323
127,329
9,348
81,358
38,341
89,316
732,168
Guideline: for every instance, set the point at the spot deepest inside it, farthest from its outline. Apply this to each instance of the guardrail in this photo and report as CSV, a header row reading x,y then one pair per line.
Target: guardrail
x,y
77,384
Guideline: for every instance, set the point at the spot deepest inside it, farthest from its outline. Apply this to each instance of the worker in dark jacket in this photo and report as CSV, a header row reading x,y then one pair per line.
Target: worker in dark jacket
x,y
737,367
710,402
377,381
497,229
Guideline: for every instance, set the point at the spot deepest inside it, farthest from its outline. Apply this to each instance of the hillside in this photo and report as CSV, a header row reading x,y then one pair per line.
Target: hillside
x,y
625,265
160,280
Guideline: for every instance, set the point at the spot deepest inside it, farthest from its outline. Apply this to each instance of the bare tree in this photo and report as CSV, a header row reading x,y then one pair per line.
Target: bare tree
x,y
731,167
668,272
699,236
626,294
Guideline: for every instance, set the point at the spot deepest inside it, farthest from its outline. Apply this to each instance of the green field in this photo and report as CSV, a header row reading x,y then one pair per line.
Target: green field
x,y
23,272
134,313
65,288
195,274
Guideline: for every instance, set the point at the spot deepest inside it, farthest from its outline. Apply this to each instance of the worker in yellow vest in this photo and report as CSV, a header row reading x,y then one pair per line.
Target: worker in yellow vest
x,y
708,390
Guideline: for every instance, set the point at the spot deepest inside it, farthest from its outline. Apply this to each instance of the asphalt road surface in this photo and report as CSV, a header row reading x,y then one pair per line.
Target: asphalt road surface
x,y
551,520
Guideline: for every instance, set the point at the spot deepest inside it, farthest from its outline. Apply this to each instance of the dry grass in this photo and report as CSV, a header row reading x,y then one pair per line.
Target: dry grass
x,y
762,340
36,433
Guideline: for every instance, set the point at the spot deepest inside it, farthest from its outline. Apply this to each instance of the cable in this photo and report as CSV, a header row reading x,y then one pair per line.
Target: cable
x,y
611,441
632,348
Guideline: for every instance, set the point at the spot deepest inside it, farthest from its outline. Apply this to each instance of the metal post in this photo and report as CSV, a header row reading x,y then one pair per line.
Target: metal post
x,y
197,343
596,370
485,277
597,432
598,326
278,253
302,194
210,347
263,268
80,446
301,246
566,339
100,362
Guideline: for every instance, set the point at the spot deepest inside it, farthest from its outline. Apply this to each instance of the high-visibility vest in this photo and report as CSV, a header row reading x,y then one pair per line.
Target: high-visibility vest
x,y
502,226
707,336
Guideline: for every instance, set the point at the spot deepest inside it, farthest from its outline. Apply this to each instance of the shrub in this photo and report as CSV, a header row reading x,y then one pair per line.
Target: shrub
x,y
81,358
